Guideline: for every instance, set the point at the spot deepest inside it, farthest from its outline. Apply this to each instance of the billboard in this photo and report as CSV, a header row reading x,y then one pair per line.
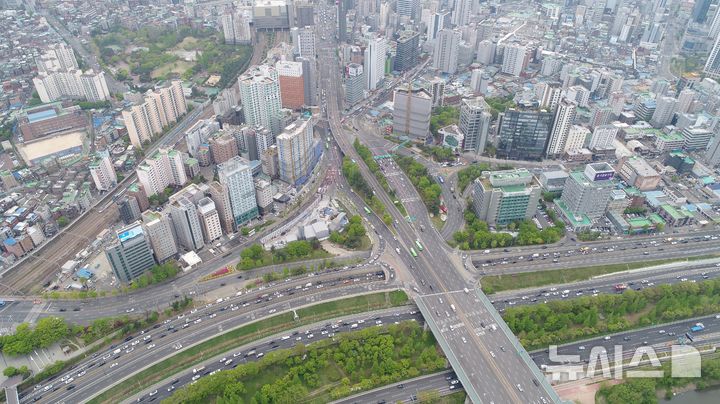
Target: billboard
x,y
604,175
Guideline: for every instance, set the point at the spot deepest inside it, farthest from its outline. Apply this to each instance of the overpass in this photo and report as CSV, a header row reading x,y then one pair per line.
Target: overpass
x,y
486,356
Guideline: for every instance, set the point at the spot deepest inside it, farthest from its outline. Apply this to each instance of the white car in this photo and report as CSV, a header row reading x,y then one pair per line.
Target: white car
x,y
113,365
151,346
130,310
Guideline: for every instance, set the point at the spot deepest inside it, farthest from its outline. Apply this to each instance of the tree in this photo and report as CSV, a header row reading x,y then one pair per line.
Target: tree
x,y
62,221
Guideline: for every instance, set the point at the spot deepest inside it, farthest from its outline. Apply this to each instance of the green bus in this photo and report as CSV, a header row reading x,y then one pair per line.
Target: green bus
x,y
367,210
413,253
417,243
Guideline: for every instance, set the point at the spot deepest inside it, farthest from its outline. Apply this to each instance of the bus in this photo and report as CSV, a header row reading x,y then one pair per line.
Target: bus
x,y
367,210
419,246
413,253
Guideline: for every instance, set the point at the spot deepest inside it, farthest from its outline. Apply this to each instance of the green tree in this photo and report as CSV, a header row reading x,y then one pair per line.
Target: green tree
x,y
62,221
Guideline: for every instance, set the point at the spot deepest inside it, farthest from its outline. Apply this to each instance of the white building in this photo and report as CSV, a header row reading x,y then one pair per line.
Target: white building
x,y
303,40
474,123
445,54
102,171
236,27
295,152
564,118
160,108
200,134
186,221
264,195
712,65
162,169
209,219
237,176
260,97
375,62
514,59
160,229
576,138
53,86
663,112
58,57
461,12
603,137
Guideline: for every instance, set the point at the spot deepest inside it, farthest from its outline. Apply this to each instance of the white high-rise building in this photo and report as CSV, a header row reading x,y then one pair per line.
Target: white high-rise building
x,y
664,112
200,134
58,57
438,21
715,25
474,123
209,219
53,86
461,12
237,176
304,41
445,55
236,27
102,171
407,8
375,62
187,223
159,228
564,118
260,97
160,108
685,100
712,65
514,59
160,170
603,137
576,138
548,96
295,152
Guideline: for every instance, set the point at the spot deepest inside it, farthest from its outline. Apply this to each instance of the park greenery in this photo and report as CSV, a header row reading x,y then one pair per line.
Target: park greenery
x,y
588,235
353,235
256,256
562,321
426,186
443,116
156,274
161,198
148,53
438,153
62,221
477,234
47,331
499,104
373,166
11,371
351,171
468,174
326,370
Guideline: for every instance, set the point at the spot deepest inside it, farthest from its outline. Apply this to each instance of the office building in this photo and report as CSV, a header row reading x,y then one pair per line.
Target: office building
x,y
162,169
160,108
515,59
639,174
696,138
221,199
588,192
664,112
355,82
309,79
523,134
159,229
668,141
603,137
700,10
486,52
406,51
474,123
438,21
548,95
303,40
136,190
712,65
553,181
186,221
223,147
103,171
576,138
712,154
408,8
130,256
270,163
295,151
445,54
128,208
270,15
209,219
502,197
564,119
264,195
236,28
304,14
236,175
412,108
260,97
374,66
292,84
461,12
685,100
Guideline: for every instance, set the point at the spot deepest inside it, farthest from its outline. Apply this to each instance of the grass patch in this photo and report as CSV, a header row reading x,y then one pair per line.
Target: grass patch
x,y
437,222
499,283
247,334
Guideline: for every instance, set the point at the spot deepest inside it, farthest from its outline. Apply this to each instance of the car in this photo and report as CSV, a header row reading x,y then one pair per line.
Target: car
x,y
113,365
70,387
152,393
581,347
130,310
151,346
171,388
400,386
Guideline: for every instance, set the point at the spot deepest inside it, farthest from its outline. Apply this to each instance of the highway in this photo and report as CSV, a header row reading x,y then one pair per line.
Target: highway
x,y
257,349
507,378
408,390
110,367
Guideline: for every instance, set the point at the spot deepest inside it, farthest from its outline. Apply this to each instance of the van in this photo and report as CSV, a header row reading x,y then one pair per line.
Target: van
x,y
354,326
198,370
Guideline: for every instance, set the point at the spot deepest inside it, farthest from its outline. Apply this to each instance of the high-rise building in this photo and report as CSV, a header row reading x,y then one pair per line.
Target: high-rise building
x,y
270,163
564,118
548,95
486,52
712,155
576,138
295,151
223,147
186,222
437,91
136,190
237,176
160,230
685,100
502,197
236,28
200,134
603,137
664,112
260,97
130,256
408,8
221,198
304,42
445,54
715,25
103,171
292,84
523,134
209,219
160,108
474,123
374,67
700,10
407,49
160,170
588,192
57,57
514,59
264,195
129,209
355,82
461,12
411,112
89,85
712,65
438,21
696,138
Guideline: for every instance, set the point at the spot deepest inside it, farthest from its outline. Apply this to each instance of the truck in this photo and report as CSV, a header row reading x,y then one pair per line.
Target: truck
x,y
620,287
697,327
452,306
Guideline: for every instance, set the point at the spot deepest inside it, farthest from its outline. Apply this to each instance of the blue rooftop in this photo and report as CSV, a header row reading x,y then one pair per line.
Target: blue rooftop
x,y
40,115
130,233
